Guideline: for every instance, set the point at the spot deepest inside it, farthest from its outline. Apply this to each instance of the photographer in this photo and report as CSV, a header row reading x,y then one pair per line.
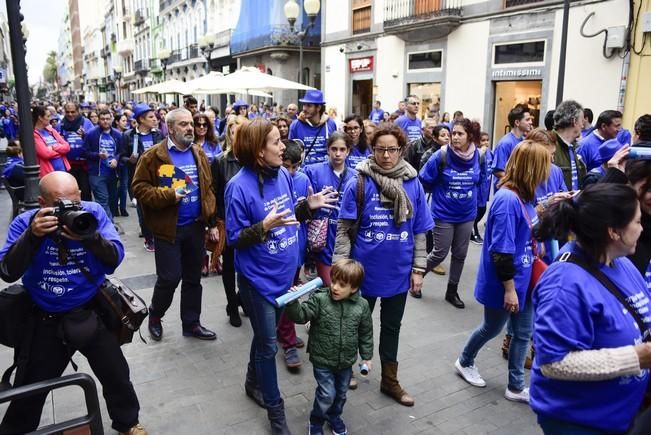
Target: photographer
x,y
62,273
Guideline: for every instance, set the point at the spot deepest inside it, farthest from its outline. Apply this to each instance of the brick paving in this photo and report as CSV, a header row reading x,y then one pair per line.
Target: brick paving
x,y
186,386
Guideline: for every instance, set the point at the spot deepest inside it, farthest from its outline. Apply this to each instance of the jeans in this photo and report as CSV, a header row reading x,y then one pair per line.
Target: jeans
x,y
105,191
176,261
123,187
494,321
552,426
330,395
450,236
391,311
264,318
48,359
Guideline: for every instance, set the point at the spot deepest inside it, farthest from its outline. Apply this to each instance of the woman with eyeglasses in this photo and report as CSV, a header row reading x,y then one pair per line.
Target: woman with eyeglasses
x,y
204,135
382,224
453,174
353,127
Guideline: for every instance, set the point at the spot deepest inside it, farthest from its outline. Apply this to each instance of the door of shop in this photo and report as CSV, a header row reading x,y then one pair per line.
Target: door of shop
x,y
362,97
509,94
430,98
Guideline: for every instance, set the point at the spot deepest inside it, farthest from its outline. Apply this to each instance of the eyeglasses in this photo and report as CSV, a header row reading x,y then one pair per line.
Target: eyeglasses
x,y
391,151
202,126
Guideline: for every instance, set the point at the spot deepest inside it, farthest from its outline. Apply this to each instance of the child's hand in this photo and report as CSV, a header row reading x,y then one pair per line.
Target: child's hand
x,y
369,364
292,290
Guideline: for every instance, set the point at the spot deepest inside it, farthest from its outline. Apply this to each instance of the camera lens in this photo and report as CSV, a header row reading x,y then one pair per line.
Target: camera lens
x,y
81,223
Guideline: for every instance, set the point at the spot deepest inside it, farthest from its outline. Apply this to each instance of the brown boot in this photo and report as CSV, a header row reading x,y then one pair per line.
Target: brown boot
x,y
390,385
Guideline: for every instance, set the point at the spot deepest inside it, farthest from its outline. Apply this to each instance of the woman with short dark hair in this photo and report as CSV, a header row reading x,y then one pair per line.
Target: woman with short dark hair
x,y
262,225
382,224
590,372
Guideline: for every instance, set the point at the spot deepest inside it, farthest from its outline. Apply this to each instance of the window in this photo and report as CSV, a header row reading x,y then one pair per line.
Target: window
x,y
425,60
361,16
521,52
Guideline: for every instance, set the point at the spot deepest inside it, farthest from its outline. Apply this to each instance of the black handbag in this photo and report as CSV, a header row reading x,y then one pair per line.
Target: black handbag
x,y
121,309
15,312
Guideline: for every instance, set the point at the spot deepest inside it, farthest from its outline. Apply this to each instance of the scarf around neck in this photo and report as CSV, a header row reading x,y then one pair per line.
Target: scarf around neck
x,y
72,126
389,182
468,155
266,172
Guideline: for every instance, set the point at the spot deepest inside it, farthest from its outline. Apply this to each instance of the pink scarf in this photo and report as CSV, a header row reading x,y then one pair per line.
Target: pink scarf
x,y
468,155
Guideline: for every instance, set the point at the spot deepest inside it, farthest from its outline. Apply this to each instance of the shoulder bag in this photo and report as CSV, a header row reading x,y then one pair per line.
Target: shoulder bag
x,y
317,229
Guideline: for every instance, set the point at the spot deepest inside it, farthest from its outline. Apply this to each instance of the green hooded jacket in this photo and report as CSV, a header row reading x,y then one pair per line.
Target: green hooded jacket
x,y
338,329
562,160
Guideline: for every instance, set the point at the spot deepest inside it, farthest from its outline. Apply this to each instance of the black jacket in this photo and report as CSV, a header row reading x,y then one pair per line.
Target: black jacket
x,y
126,145
223,168
417,148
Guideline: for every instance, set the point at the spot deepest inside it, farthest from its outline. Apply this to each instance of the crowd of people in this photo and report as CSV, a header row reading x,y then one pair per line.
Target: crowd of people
x,y
370,205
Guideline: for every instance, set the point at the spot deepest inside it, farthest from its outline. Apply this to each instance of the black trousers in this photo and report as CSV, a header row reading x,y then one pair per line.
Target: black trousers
x,y
81,175
228,276
391,311
180,260
49,358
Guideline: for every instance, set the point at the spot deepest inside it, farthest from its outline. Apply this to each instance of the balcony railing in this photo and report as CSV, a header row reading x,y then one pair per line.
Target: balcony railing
x,y
397,11
276,36
512,3
193,51
141,65
154,64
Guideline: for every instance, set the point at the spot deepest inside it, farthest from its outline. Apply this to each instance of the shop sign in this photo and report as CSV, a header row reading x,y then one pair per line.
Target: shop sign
x,y
361,64
517,73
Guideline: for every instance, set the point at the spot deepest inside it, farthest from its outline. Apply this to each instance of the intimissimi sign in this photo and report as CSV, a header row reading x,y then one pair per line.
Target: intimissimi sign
x,y
517,73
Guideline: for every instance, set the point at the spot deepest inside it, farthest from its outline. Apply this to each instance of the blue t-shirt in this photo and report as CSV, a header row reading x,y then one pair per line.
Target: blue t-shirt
x,y
385,250
57,288
377,115
413,128
12,162
484,191
554,184
455,190
147,141
106,144
503,151
575,312
9,128
321,176
317,135
211,151
190,205
356,155
507,232
301,183
76,145
587,131
270,266
50,141
589,150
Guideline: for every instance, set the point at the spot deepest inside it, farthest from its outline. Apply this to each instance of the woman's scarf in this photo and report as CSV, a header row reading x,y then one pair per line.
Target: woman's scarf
x,y
389,181
468,155
266,172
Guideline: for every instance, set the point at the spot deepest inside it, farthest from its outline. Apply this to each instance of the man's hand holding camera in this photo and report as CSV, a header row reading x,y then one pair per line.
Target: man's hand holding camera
x,y
45,222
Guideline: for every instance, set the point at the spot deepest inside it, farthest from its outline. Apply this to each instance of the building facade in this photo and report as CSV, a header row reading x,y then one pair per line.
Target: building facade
x,y
481,57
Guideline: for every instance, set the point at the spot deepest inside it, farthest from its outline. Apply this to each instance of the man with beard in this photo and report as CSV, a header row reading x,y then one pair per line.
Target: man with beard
x,y
520,121
312,127
177,219
73,128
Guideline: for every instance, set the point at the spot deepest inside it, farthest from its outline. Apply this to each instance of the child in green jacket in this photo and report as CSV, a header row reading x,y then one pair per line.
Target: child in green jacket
x,y
340,327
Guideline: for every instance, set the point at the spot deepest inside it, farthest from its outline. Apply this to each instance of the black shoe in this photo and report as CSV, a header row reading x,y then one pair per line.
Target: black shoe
x,y
200,332
452,296
155,327
233,316
124,212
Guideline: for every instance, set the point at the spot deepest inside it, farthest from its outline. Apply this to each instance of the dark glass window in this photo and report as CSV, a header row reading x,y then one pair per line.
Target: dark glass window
x,y
522,52
428,60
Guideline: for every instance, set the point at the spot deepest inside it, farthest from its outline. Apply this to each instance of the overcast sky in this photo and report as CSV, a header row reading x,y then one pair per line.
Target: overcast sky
x,y
44,19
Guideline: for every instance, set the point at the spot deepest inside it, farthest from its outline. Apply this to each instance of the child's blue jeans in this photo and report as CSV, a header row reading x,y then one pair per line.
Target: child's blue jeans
x,y
330,395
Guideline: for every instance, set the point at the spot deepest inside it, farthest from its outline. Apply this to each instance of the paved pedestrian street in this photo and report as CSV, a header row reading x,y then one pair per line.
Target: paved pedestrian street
x,y
187,386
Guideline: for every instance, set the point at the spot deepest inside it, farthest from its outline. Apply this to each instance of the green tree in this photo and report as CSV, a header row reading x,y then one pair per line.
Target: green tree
x,y
50,68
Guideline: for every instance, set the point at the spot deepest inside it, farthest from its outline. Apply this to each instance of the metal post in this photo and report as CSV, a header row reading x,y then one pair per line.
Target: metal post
x,y
561,61
26,130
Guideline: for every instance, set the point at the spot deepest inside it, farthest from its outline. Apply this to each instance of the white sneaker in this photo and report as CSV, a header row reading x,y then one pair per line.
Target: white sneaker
x,y
470,374
522,396
134,203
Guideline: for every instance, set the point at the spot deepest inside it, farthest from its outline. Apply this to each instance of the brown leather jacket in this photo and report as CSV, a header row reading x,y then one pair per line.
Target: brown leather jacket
x,y
159,207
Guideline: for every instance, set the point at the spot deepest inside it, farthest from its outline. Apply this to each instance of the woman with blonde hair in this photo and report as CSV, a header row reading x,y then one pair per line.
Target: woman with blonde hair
x,y
224,167
503,280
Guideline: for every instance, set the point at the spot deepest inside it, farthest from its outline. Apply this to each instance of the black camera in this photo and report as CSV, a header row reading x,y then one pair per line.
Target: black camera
x,y
78,221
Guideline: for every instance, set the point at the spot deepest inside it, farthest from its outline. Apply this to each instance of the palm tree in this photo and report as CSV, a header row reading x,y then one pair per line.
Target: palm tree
x,y
50,73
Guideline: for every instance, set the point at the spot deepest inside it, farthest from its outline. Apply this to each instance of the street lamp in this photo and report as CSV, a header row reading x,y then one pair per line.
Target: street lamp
x,y
292,11
206,44
117,73
164,55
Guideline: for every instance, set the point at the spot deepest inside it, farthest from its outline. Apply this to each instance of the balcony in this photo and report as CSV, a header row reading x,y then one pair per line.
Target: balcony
x,y
193,51
138,18
514,3
421,20
141,66
276,37
125,47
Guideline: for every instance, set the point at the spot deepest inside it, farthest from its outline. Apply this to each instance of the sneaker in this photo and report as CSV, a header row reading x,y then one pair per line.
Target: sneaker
x,y
439,270
314,429
149,245
476,239
299,342
338,427
522,396
138,429
292,360
470,374
134,203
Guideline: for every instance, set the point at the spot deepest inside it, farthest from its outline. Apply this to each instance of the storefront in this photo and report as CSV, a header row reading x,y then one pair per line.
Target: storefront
x,y
424,75
361,75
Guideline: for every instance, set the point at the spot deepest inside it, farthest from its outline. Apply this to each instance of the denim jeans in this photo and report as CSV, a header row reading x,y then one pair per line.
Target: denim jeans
x,y
552,426
105,191
264,318
330,395
494,321
123,188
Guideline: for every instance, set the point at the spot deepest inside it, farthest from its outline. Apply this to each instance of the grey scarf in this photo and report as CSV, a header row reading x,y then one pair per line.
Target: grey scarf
x,y
389,181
